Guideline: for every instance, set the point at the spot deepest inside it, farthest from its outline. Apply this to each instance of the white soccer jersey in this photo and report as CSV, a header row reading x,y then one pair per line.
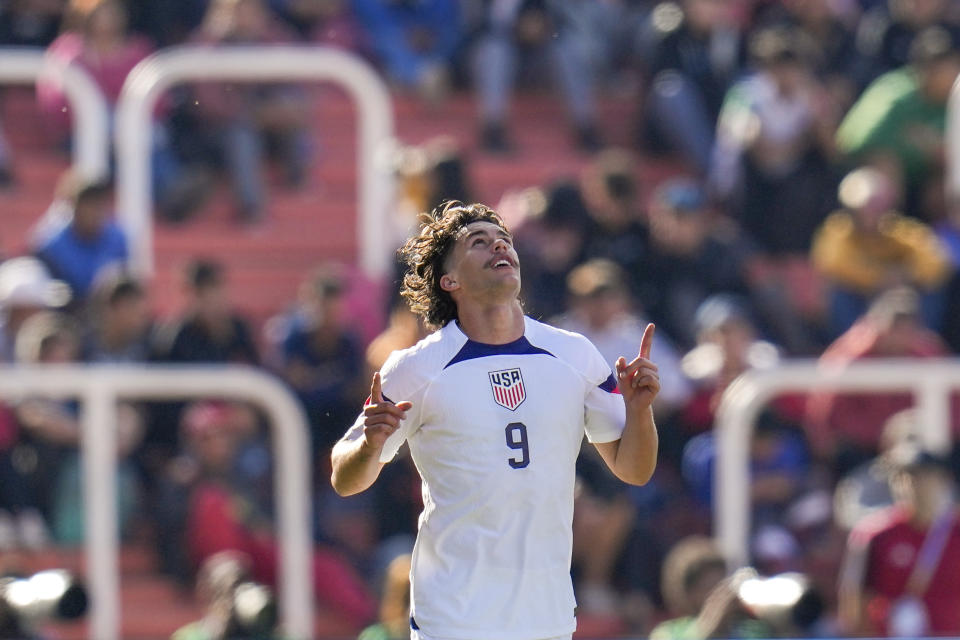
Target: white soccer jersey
x,y
495,431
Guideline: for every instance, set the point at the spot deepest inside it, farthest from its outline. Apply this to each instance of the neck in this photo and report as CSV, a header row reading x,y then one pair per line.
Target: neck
x,y
492,324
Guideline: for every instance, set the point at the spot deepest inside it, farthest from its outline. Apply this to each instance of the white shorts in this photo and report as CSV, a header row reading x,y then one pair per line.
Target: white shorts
x,y
416,634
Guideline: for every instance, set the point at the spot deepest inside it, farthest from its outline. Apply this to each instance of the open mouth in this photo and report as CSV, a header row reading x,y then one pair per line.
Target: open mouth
x,y
501,263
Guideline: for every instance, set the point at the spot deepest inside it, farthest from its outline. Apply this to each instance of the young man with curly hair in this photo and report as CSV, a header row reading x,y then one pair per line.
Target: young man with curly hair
x,y
494,406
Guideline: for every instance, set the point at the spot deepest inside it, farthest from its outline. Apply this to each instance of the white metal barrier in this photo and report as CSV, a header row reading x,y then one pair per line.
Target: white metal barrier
x,y
931,381
89,114
147,81
953,143
99,388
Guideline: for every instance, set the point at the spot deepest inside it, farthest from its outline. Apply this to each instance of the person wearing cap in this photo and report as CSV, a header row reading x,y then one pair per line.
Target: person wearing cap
x,y
900,571
26,288
867,246
90,240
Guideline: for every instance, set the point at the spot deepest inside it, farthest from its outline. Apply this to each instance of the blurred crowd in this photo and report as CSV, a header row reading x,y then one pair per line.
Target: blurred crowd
x,y
810,219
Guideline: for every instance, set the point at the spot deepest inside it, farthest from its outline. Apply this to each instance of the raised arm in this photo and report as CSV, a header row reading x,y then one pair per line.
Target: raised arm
x,y
633,457
356,457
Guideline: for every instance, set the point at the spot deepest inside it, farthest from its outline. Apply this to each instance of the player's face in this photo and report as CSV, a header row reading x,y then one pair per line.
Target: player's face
x,y
483,260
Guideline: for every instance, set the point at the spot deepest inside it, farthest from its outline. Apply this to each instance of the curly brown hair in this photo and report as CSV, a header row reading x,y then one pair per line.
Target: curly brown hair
x,y
426,253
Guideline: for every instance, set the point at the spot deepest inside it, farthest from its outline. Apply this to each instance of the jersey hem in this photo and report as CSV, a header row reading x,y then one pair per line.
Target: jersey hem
x,y
473,634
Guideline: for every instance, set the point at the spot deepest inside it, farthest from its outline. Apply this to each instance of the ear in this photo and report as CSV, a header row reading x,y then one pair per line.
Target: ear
x,y
447,283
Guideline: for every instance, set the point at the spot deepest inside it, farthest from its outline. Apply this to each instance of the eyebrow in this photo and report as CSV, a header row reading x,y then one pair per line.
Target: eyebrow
x,y
500,234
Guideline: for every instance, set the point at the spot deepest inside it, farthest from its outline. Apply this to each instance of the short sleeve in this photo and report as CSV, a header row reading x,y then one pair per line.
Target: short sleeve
x,y
604,412
396,379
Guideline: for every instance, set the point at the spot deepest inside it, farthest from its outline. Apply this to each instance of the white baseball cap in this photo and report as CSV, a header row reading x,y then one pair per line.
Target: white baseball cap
x,y
26,282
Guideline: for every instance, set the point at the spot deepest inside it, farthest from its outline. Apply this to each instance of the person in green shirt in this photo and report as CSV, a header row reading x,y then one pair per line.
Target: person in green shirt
x,y
899,121
394,622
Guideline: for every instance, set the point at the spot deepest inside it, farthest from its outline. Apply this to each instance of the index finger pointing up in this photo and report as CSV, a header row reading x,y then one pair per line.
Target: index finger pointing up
x,y
375,394
647,341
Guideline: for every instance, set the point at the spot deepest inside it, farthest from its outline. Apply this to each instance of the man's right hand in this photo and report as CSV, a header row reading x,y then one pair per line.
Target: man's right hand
x,y
381,417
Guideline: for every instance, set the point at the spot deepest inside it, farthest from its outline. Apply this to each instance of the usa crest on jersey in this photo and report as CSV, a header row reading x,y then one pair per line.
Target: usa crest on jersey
x,y
508,390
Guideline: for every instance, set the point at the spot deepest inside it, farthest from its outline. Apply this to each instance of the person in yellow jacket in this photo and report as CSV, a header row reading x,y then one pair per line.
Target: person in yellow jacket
x,y
867,247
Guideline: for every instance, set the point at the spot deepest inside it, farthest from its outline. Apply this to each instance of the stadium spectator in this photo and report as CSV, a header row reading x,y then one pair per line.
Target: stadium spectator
x,y
320,357
26,288
602,309
219,513
77,249
210,331
867,247
394,619
94,36
703,598
728,344
779,476
218,586
51,428
888,29
414,42
551,242
118,321
522,35
616,229
898,122
844,429
866,489
97,38
689,256
775,137
899,574
238,123
697,53
828,28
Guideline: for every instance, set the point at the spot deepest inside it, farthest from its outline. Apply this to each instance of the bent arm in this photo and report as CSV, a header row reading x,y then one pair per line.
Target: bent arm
x,y
356,466
356,457
633,458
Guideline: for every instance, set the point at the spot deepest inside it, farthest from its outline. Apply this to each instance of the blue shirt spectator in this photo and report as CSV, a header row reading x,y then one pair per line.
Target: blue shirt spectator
x,y
415,40
90,241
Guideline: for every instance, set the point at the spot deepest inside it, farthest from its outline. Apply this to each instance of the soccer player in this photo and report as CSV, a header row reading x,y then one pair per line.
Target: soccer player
x,y
494,406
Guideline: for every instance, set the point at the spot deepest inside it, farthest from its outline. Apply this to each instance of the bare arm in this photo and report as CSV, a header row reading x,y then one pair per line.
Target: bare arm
x,y
853,594
356,462
633,457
